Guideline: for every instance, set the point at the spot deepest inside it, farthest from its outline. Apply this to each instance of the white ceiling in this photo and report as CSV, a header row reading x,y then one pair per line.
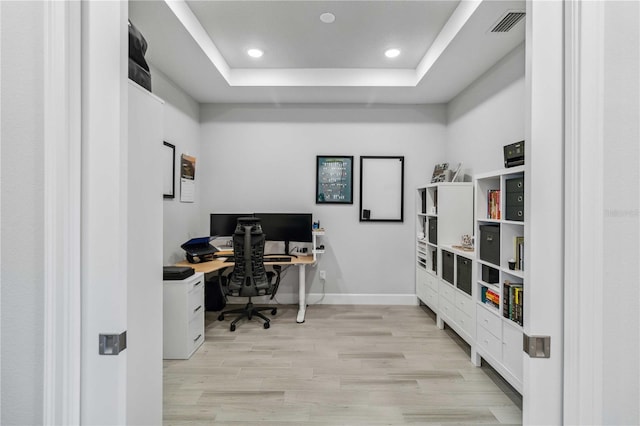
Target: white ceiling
x,y
201,46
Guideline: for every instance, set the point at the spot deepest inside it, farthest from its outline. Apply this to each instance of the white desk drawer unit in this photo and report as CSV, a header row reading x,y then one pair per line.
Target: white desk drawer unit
x,y
183,317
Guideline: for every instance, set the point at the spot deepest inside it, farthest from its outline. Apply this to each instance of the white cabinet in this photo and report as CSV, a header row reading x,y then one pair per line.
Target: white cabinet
x,y
144,269
499,266
183,317
444,272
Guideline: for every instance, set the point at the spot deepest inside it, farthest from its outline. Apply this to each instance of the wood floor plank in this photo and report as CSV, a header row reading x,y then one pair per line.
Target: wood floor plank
x,y
346,365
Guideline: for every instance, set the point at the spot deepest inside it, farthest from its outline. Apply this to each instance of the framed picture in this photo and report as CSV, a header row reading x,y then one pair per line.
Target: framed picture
x,y
334,179
168,170
381,189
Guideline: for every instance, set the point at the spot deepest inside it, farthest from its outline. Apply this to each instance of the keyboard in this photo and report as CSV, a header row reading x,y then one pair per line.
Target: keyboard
x,y
266,259
273,259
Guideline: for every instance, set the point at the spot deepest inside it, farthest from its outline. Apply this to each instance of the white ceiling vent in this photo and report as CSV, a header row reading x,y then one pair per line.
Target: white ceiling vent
x,y
508,21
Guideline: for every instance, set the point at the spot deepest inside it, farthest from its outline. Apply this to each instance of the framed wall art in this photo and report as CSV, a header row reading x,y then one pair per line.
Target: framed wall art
x,y
334,179
168,170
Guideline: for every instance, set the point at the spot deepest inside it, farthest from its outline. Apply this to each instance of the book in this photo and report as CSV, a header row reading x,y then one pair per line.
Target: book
x,y
512,301
490,297
493,204
440,172
519,252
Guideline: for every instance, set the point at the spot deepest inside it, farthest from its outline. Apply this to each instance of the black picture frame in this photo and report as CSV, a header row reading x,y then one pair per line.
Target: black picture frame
x,y
169,170
381,189
334,179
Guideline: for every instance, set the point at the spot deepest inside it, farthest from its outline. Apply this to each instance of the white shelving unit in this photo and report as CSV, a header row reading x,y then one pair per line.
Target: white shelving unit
x,y
315,250
498,316
444,273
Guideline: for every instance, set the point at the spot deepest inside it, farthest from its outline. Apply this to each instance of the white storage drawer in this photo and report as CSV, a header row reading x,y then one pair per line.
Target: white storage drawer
x,y
432,298
489,321
196,299
464,303
447,309
196,330
421,284
489,343
512,353
448,291
465,322
432,282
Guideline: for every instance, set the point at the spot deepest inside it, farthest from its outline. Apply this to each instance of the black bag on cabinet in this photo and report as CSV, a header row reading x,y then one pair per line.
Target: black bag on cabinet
x,y
138,67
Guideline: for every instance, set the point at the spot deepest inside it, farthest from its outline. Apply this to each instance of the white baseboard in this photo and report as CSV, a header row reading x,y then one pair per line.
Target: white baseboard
x,y
339,299
361,299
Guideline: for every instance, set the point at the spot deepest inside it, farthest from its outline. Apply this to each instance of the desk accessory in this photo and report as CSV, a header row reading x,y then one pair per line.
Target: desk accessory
x,y
199,250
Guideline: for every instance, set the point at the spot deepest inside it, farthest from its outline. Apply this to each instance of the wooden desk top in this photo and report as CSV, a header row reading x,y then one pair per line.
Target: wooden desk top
x,y
217,264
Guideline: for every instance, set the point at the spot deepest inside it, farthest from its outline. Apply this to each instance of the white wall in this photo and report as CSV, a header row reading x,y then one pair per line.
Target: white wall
x,y
181,128
621,226
487,115
22,215
263,158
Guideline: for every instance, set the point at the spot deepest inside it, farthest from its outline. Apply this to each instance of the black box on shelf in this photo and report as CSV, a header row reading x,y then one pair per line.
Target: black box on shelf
x,y
447,266
434,261
489,274
490,243
433,230
514,154
464,274
515,199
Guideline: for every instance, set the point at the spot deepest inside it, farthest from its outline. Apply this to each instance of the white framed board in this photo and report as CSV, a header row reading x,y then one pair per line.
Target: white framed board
x,y
381,189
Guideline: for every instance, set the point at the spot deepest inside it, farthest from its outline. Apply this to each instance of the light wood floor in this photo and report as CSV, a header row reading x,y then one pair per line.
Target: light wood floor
x,y
346,365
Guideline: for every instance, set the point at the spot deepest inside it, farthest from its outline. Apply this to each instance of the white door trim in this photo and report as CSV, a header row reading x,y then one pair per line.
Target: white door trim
x,y
584,207
62,204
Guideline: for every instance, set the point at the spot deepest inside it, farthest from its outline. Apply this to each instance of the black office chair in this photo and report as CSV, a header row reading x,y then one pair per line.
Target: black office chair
x,y
249,277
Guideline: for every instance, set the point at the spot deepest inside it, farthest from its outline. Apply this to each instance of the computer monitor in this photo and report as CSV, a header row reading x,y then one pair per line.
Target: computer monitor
x,y
286,227
224,224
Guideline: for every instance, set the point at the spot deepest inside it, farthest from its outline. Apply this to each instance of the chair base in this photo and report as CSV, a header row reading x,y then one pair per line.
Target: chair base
x,y
249,311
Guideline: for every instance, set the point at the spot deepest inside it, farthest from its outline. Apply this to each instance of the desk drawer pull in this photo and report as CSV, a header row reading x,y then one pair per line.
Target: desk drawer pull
x,y
197,284
197,338
197,309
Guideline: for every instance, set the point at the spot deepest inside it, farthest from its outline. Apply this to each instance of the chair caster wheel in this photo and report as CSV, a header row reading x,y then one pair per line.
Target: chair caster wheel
x,y
232,327
266,325
274,311
220,317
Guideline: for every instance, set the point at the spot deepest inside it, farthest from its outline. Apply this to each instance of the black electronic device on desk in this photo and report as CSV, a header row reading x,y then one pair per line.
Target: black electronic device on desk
x,y
199,250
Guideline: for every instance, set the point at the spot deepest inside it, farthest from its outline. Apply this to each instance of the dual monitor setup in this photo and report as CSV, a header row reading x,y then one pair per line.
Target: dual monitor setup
x,y
285,227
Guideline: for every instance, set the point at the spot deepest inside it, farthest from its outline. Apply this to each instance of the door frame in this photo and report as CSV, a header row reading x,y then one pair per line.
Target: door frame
x,y
62,213
85,112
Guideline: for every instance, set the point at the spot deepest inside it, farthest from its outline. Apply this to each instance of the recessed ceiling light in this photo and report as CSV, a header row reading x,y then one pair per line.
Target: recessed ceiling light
x,y
392,53
328,18
255,53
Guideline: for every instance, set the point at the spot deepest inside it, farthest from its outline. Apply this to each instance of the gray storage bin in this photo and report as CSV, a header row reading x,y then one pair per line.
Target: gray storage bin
x,y
464,274
490,244
447,266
